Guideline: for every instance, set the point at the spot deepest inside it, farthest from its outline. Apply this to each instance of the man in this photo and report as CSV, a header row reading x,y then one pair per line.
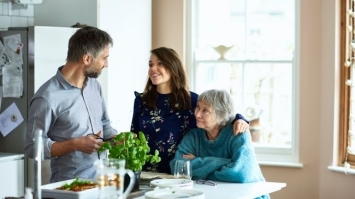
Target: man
x,y
70,110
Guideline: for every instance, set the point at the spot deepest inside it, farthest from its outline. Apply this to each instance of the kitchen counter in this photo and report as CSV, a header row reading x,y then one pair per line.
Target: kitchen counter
x,y
4,157
13,165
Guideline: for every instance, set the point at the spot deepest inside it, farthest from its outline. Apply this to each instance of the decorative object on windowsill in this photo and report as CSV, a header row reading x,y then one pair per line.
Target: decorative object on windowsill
x,y
134,149
222,50
255,130
253,113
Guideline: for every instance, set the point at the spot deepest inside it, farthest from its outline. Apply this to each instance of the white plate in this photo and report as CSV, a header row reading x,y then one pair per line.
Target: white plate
x,y
152,175
175,193
172,183
50,191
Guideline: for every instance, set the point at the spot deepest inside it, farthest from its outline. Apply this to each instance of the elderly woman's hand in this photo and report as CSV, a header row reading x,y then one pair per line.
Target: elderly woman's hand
x,y
188,156
240,126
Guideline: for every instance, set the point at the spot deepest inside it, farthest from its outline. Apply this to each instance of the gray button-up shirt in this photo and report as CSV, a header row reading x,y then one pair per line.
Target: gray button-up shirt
x,y
63,112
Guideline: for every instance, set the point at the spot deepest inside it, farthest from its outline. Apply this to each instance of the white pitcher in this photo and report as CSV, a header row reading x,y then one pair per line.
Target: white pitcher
x,y
110,177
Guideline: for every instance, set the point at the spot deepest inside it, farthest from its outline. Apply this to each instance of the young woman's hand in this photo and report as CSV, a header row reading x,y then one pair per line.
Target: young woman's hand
x,y
240,126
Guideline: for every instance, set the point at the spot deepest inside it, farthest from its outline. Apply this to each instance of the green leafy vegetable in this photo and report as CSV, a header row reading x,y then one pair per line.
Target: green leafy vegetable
x,y
134,149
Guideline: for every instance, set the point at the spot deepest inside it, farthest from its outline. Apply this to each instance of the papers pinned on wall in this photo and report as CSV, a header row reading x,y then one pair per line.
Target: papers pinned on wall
x,y
11,62
4,57
13,46
12,80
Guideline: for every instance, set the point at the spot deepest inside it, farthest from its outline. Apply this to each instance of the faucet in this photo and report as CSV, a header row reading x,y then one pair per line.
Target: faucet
x,y
38,157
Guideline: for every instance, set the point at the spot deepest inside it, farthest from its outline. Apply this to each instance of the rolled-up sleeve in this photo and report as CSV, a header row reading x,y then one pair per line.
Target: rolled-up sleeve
x,y
40,118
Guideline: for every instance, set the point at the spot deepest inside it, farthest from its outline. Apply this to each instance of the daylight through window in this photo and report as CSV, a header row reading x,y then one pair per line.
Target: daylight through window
x,y
248,48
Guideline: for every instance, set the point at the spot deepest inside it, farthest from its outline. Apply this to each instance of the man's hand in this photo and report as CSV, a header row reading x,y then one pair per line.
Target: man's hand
x,y
89,144
240,126
86,144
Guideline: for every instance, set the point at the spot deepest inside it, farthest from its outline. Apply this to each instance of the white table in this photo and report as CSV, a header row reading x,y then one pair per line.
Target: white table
x,y
224,190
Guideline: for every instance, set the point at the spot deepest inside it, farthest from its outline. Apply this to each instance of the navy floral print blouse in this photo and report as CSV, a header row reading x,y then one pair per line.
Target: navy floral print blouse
x,y
163,127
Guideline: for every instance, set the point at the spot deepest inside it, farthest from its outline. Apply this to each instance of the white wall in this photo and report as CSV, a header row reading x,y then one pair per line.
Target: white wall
x,y
12,15
128,62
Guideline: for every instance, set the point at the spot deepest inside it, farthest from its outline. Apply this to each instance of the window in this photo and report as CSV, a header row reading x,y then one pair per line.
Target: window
x,y
347,107
248,47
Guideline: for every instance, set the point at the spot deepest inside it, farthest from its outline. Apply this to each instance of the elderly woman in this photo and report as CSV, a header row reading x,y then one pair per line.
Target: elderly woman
x,y
214,151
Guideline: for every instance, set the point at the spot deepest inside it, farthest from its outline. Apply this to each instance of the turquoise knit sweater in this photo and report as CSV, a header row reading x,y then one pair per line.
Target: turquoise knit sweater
x,y
228,158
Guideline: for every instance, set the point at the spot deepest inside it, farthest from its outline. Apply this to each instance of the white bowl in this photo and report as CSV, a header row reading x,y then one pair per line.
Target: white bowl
x,y
172,183
175,193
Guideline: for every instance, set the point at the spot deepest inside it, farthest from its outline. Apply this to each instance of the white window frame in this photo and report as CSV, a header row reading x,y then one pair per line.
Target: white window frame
x,y
266,155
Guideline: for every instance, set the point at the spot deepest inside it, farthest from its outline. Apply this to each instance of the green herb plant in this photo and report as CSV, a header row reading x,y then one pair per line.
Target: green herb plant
x,y
134,149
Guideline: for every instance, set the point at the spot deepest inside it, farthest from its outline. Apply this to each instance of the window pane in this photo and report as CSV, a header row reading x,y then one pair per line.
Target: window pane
x,y
246,47
255,30
262,92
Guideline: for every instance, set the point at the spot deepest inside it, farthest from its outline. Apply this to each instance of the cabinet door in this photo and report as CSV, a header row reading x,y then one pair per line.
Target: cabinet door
x,y
12,178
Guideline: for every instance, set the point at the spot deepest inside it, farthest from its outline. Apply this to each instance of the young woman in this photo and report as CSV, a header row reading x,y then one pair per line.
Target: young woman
x,y
164,112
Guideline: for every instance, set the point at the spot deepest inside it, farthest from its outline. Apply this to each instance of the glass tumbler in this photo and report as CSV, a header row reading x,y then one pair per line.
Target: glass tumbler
x,y
182,169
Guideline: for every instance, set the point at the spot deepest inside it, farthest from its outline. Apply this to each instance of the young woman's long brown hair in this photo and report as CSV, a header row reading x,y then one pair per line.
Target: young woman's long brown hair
x,y
180,95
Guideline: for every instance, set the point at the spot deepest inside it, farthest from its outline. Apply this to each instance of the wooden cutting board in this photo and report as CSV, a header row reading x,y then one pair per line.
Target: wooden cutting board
x,y
136,194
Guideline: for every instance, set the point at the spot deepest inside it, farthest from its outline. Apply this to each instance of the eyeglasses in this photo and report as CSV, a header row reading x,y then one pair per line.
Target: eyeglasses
x,y
206,182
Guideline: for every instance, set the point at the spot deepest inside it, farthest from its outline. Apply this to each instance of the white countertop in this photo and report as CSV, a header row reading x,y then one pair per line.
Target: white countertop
x,y
4,157
224,190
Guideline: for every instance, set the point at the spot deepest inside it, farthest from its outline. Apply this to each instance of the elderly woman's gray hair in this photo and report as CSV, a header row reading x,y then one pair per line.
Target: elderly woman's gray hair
x,y
221,102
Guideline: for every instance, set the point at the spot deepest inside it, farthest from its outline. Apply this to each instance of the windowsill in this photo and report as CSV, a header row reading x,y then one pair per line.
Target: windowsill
x,y
281,164
341,169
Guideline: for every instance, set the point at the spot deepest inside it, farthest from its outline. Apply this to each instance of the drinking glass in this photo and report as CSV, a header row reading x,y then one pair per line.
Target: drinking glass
x,y
182,169
110,178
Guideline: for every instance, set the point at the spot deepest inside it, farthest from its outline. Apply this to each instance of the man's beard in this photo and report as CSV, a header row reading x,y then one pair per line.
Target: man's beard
x,y
90,72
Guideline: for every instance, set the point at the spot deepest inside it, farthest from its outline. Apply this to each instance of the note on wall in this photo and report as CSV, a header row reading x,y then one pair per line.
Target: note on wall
x,y
10,119
13,46
12,80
